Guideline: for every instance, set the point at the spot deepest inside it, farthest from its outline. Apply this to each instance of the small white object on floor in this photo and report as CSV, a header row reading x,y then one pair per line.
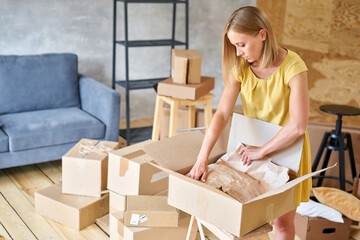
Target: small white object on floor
x,y
315,209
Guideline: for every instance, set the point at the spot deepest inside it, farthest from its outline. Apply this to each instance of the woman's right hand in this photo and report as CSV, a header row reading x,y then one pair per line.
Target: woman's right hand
x,y
199,171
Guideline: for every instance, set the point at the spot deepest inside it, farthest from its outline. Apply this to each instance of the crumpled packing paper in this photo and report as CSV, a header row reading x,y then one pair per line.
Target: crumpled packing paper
x,y
245,182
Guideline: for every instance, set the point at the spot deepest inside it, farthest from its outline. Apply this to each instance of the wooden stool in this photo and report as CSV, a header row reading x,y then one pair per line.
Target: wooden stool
x,y
175,103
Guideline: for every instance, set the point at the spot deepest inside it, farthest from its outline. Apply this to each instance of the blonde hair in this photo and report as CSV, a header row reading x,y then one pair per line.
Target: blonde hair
x,y
248,20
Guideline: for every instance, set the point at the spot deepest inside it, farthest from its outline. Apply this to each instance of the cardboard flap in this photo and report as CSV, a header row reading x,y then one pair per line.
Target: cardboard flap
x,y
254,132
179,153
193,181
290,184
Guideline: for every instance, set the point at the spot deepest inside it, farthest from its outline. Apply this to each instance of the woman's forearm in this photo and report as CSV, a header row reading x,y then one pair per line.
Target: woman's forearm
x,y
218,123
284,138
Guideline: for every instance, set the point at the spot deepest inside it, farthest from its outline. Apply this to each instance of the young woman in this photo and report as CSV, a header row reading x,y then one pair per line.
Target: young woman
x,y
272,82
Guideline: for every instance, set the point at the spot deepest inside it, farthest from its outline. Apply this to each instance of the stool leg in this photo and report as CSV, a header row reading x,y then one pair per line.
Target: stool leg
x,y
191,116
173,117
324,165
351,155
157,118
342,163
320,151
208,113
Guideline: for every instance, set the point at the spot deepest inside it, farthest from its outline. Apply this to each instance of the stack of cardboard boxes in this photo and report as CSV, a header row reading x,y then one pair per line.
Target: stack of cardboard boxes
x,y
98,179
186,81
138,198
79,200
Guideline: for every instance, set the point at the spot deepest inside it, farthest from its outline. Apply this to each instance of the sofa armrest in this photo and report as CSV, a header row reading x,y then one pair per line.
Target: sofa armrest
x,y
103,103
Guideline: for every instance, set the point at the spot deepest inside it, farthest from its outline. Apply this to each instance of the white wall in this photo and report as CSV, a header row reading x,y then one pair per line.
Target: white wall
x,y
84,27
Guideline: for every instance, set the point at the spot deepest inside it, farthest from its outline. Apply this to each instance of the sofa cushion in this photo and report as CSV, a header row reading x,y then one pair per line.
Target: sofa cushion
x,y
43,128
4,142
36,82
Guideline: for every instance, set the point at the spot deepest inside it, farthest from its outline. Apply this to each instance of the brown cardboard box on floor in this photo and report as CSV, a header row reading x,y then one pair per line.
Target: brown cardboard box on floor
x,y
73,211
186,66
130,174
186,91
84,167
309,228
211,204
150,211
119,231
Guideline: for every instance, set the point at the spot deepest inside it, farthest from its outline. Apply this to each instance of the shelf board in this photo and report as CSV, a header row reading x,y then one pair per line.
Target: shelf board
x,y
140,84
153,1
137,134
151,43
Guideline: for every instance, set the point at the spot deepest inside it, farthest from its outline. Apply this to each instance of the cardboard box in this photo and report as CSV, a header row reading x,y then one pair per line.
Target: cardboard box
x,y
150,211
130,173
73,211
117,202
183,122
186,66
211,204
84,167
188,91
320,228
119,231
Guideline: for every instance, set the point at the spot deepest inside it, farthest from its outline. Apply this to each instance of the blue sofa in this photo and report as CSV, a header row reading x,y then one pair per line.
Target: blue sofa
x,y
46,107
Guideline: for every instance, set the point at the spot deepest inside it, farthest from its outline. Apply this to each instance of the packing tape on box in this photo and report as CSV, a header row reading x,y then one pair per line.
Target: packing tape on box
x,y
96,147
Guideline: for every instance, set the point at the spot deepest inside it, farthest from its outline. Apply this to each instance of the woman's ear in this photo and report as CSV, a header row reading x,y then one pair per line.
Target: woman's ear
x,y
263,34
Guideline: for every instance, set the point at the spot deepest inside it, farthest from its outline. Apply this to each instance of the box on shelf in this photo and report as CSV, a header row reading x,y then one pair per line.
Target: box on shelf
x,y
73,211
150,211
84,167
186,66
129,172
190,195
119,231
308,228
188,91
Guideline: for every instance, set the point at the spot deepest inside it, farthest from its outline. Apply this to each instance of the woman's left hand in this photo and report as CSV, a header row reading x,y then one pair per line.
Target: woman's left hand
x,y
250,153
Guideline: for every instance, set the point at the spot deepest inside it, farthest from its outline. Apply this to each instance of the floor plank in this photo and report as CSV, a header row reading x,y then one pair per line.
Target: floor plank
x,y
21,205
48,170
30,179
12,222
57,164
3,234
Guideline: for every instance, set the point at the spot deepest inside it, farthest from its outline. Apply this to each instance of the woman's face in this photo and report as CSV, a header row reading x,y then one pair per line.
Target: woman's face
x,y
247,46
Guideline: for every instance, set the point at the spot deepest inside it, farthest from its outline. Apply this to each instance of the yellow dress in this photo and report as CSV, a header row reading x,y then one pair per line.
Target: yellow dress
x,y
268,100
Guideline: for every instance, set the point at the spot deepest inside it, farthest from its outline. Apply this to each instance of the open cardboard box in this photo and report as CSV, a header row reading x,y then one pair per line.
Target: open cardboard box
x,y
178,154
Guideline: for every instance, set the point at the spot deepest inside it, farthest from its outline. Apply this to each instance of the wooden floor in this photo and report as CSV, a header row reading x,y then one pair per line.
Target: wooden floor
x,y
18,219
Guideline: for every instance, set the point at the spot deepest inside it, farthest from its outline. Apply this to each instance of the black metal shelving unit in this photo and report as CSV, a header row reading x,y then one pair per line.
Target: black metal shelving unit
x,y
139,134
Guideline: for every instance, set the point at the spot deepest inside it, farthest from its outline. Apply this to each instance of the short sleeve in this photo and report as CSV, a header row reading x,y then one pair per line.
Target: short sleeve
x,y
236,74
296,66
